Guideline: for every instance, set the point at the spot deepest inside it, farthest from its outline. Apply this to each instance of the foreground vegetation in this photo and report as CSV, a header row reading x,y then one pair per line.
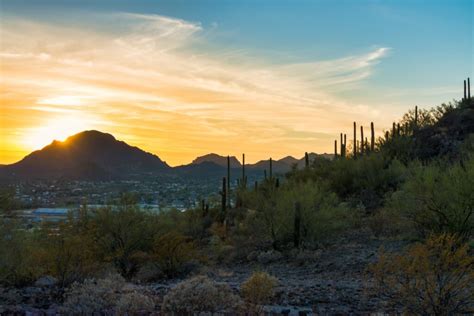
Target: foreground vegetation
x,y
400,190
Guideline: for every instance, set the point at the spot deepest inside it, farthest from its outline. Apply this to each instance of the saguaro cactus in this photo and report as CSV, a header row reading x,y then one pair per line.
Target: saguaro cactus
x,y
372,136
244,177
342,144
335,148
362,144
469,88
228,181
297,225
306,160
465,95
345,144
355,140
416,117
271,168
223,194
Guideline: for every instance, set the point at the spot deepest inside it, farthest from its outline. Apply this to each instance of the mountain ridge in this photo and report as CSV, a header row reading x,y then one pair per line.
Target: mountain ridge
x,y
95,155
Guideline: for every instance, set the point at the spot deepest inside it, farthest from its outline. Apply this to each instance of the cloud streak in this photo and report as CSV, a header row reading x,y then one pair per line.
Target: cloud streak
x,y
153,83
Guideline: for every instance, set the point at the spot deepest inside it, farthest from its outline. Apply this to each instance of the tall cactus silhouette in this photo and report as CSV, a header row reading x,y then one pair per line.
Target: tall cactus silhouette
x,y
362,144
345,145
342,148
223,194
335,148
355,140
372,136
469,88
244,177
465,94
271,169
306,160
416,117
228,181
297,225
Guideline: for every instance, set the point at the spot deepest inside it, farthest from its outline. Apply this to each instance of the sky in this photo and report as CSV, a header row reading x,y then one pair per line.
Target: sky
x,y
182,79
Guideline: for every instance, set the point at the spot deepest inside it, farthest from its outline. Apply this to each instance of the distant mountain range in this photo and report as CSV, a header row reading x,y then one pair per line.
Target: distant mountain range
x,y
93,155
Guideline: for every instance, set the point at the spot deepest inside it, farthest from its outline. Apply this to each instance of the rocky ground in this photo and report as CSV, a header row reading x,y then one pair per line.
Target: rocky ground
x,y
332,280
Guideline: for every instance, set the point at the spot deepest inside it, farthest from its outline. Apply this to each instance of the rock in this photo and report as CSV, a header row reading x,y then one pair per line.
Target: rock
x,y
269,256
46,281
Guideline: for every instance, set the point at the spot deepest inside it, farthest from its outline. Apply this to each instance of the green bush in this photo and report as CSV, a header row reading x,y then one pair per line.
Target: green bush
x,y
19,261
171,252
439,198
68,252
124,237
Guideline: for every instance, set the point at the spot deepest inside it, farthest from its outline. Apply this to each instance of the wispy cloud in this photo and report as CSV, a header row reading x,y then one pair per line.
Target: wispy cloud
x,y
149,84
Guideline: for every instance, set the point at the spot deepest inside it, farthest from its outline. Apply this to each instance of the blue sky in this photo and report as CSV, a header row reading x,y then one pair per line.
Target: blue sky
x,y
431,42
278,62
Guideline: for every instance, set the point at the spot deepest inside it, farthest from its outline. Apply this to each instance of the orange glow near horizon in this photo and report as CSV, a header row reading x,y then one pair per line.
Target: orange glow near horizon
x,y
150,87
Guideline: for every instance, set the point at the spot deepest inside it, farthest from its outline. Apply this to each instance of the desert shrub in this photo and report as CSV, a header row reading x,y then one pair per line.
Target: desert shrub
x,y
200,294
271,222
258,289
124,236
439,198
362,181
433,278
111,294
18,256
171,252
322,214
68,251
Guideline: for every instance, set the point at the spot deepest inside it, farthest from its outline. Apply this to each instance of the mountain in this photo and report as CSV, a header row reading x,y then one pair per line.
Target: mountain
x,y
218,160
89,155
212,163
93,155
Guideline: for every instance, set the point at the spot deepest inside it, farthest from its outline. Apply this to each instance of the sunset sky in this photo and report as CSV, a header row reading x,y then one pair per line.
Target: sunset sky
x,y
185,78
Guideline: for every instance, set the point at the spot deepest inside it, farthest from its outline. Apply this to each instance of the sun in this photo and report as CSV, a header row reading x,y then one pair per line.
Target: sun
x,y
57,128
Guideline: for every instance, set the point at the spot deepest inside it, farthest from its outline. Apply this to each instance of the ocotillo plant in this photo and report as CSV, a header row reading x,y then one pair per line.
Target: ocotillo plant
x,y
355,140
362,144
306,160
228,181
372,136
223,194
297,225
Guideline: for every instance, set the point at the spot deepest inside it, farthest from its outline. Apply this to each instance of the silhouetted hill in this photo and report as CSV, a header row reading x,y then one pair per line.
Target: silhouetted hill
x,y
93,155
89,155
446,136
218,160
